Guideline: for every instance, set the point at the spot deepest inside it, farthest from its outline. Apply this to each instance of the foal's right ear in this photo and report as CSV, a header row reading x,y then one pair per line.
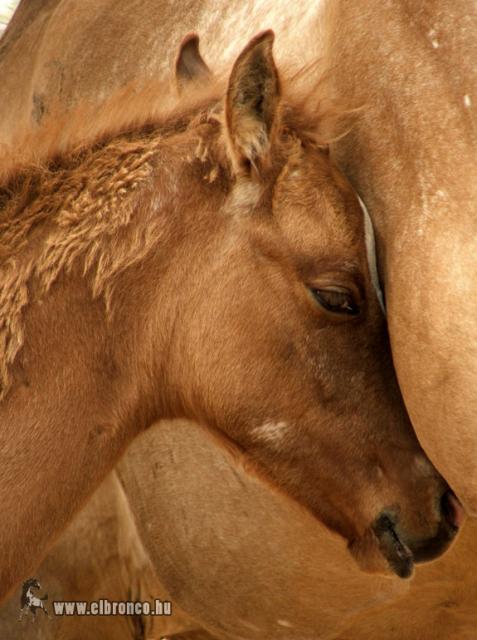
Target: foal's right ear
x,y
190,66
251,104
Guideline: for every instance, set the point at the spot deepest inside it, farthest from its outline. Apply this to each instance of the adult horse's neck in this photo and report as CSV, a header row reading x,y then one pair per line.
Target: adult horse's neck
x,y
84,377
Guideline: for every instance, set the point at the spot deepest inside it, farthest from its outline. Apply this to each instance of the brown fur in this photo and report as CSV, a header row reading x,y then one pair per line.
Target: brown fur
x,y
148,219
87,194
265,550
99,555
412,158
88,214
275,555
417,108
412,65
159,105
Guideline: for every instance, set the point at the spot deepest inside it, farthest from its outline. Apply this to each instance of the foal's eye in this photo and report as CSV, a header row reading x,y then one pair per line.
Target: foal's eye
x,y
337,301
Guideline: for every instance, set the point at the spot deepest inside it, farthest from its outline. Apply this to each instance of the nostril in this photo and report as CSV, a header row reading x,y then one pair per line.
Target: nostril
x,y
452,510
385,522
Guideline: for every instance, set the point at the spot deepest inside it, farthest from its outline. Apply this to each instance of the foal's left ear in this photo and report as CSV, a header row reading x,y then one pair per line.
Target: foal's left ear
x,y
190,66
251,105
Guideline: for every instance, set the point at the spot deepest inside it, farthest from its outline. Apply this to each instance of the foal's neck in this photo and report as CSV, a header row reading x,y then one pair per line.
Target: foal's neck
x,y
85,319
99,215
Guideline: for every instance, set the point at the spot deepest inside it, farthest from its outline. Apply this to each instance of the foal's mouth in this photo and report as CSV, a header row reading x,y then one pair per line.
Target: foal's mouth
x,y
398,554
401,555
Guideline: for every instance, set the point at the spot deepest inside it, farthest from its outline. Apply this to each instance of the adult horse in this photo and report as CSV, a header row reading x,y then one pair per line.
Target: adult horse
x,y
99,555
166,251
416,171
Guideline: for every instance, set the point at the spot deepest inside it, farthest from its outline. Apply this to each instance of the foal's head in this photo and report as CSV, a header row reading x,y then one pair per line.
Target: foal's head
x,y
278,341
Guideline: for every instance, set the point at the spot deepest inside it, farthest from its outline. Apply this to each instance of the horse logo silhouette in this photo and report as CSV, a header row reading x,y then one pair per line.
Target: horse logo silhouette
x,y
30,602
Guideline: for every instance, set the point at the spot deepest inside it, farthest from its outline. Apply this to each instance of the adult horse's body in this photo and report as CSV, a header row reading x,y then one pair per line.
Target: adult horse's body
x,y
166,253
411,155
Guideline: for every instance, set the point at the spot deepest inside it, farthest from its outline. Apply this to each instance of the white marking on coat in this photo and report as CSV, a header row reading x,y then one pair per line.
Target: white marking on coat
x,y
271,432
467,101
432,37
285,623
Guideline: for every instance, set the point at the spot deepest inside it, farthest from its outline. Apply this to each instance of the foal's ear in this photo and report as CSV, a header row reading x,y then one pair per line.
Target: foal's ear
x,y
251,104
190,66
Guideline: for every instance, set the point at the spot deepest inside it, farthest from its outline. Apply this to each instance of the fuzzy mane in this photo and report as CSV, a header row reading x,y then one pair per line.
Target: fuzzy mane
x,y
80,184
134,107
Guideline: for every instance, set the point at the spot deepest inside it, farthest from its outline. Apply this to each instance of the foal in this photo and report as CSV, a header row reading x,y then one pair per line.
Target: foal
x,y
210,265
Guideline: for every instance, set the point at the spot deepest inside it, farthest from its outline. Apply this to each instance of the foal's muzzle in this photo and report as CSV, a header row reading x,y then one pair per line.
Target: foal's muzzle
x,y
402,552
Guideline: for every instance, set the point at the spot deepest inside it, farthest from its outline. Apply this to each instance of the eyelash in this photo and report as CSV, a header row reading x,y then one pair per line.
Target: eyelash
x,y
341,302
